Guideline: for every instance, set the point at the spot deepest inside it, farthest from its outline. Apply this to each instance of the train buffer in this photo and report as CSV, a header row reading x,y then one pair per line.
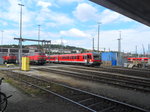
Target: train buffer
x,y
10,65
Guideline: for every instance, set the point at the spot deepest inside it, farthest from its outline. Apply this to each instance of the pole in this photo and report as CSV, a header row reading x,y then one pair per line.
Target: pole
x,y
119,49
49,45
2,38
39,35
148,50
98,36
143,50
93,44
20,41
136,51
62,50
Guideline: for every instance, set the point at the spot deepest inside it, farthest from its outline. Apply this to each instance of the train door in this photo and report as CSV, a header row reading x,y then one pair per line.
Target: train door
x,y
57,59
85,59
89,57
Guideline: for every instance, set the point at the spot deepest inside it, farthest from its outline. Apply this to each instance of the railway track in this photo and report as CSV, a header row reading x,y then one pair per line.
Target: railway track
x,y
135,72
89,101
130,82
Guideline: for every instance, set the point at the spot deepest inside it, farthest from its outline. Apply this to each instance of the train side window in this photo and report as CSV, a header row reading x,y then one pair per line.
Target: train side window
x,y
77,57
85,57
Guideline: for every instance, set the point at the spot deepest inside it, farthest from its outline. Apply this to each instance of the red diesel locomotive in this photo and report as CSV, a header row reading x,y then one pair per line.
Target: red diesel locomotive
x,y
80,58
37,58
10,58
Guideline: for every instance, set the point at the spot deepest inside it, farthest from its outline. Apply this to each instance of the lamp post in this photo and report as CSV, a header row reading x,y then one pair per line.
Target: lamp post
x,y
39,35
119,49
98,35
93,44
20,41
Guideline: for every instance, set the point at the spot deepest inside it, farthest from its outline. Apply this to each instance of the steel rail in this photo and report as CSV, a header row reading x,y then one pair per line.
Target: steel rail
x,y
116,77
118,70
94,78
69,87
113,74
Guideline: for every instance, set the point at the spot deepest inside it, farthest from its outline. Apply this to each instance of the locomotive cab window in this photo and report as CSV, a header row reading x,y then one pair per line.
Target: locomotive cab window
x,y
96,57
89,56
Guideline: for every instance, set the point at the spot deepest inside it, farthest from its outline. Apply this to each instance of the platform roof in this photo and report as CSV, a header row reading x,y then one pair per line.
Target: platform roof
x,y
138,10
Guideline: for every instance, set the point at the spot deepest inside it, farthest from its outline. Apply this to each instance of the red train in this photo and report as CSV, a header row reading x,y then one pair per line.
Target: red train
x,y
10,58
81,58
140,59
37,58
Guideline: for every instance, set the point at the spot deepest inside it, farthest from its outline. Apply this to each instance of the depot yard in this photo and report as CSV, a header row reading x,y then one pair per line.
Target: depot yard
x,y
94,80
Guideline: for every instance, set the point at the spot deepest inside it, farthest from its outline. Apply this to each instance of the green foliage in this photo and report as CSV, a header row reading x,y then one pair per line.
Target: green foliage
x,y
52,46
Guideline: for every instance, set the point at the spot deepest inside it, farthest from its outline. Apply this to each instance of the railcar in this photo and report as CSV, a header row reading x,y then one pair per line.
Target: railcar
x,y
37,58
140,59
10,58
80,58
52,59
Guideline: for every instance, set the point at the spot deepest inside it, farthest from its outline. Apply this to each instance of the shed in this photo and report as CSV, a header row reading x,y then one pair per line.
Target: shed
x,y
110,57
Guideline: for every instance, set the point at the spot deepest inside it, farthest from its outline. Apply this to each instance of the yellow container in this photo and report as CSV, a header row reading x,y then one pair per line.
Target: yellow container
x,y
25,64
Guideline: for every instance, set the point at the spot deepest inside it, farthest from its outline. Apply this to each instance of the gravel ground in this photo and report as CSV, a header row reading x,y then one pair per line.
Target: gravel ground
x,y
21,102
131,96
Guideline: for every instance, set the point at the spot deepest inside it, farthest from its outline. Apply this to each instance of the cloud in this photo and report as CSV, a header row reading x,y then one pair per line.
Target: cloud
x,y
3,23
108,16
130,39
12,13
52,19
44,4
74,33
69,1
75,37
61,19
85,12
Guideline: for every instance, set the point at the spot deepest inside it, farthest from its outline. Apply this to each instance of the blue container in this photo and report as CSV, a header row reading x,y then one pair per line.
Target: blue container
x,y
110,56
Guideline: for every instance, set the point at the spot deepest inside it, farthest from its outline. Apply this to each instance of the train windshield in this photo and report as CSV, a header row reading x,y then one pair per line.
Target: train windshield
x,y
40,53
11,55
96,57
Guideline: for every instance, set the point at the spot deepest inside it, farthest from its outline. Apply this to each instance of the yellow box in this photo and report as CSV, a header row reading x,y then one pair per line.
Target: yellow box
x,y
25,64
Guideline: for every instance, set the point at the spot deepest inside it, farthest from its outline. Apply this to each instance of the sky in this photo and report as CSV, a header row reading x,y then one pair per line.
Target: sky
x,y
75,22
